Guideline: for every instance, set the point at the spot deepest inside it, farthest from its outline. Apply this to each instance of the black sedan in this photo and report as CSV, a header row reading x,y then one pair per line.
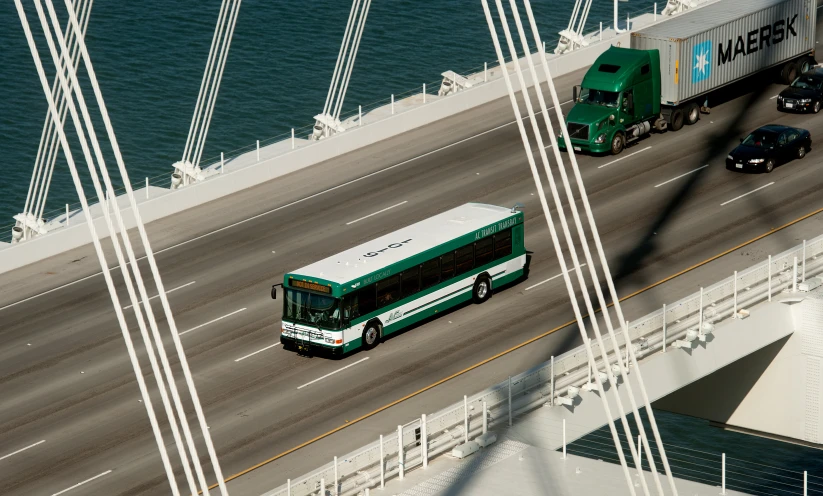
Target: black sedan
x,y
768,147
804,95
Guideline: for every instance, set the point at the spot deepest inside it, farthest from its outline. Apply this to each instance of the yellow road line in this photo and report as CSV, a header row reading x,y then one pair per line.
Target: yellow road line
x,y
495,357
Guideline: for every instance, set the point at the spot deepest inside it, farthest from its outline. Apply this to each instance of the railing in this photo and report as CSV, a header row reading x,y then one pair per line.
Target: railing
x,y
544,383
214,166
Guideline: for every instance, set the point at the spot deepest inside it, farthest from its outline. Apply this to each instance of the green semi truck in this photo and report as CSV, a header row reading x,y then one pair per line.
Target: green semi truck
x,y
668,75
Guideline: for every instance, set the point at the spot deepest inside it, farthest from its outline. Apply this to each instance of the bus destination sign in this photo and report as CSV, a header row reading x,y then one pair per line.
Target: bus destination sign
x,y
311,286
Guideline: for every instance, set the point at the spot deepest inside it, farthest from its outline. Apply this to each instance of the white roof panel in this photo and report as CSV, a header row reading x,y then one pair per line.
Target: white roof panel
x,y
403,243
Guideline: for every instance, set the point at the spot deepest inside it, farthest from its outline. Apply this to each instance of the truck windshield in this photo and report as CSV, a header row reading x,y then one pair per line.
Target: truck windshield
x,y
599,97
309,308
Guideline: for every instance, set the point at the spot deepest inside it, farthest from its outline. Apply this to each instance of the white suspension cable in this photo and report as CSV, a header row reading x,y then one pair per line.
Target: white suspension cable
x,y
204,131
585,18
573,18
54,148
195,120
98,248
152,262
552,231
562,216
345,85
111,194
344,48
602,257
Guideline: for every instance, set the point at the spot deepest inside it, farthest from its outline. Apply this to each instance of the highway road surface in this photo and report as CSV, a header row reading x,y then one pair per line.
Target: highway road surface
x,y
70,410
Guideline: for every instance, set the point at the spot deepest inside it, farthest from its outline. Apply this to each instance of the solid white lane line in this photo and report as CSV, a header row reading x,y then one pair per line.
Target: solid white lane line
x,y
332,373
772,98
747,194
167,292
256,352
287,205
378,212
551,278
681,175
212,321
81,483
22,449
624,157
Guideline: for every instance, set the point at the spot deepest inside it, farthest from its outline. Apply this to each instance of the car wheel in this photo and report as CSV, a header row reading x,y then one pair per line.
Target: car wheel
x,y
676,120
692,114
482,289
789,72
801,151
371,335
816,107
769,165
618,143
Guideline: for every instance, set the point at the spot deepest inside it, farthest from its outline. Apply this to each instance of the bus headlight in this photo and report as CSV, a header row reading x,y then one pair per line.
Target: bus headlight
x,y
330,340
601,138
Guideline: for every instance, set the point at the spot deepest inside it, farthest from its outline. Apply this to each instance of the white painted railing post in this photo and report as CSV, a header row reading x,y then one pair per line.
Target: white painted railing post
x,y
367,491
147,193
323,486
664,328
564,439
770,278
400,472
601,31
544,47
628,341
336,490
655,11
734,310
288,487
222,162
68,219
640,452
485,72
805,483
292,138
424,441
359,115
794,276
723,475
392,104
803,277
551,397
424,92
485,418
510,401
382,465
466,418
628,21
700,324
258,150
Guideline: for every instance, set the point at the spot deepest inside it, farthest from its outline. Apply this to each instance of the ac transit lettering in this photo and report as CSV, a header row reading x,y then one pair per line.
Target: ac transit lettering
x,y
500,226
758,39
393,245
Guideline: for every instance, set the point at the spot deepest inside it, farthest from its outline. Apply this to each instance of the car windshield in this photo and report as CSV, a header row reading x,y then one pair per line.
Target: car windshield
x,y
599,97
807,83
308,308
761,139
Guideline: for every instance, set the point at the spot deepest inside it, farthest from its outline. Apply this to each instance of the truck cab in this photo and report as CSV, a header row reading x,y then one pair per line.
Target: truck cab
x,y
617,102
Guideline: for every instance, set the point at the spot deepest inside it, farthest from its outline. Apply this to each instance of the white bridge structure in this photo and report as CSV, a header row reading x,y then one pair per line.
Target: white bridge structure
x,y
765,323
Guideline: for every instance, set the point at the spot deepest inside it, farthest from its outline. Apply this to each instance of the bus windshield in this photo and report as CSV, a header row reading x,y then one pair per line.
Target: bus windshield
x,y
309,308
599,97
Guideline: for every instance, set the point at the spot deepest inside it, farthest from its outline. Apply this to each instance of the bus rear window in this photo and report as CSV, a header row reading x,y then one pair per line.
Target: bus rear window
x,y
503,244
483,251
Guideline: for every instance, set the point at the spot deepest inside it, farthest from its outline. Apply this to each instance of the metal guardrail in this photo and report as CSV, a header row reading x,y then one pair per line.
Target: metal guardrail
x,y
356,471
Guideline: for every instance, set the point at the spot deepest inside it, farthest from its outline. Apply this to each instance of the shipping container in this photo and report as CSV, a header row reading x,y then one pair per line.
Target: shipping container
x,y
718,44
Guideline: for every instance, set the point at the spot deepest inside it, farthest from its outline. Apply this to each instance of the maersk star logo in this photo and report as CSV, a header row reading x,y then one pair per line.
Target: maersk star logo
x,y
702,61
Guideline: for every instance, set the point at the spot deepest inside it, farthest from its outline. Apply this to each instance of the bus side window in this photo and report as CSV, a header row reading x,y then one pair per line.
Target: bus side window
x,y
388,291
464,259
503,244
410,282
483,252
430,273
364,301
350,307
446,267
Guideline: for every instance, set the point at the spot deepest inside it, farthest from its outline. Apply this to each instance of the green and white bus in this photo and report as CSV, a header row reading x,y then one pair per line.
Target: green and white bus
x,y
355,298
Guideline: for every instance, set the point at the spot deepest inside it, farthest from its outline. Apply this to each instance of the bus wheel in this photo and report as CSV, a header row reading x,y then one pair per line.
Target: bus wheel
x,y
482,289
371,335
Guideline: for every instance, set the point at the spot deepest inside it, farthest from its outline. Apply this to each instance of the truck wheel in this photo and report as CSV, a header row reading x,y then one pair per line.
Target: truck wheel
x,y
692,113
789,72
806,64
676,120
618,143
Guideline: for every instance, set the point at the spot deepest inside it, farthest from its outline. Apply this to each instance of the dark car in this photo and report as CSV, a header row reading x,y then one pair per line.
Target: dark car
x,y
804,95
768,147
